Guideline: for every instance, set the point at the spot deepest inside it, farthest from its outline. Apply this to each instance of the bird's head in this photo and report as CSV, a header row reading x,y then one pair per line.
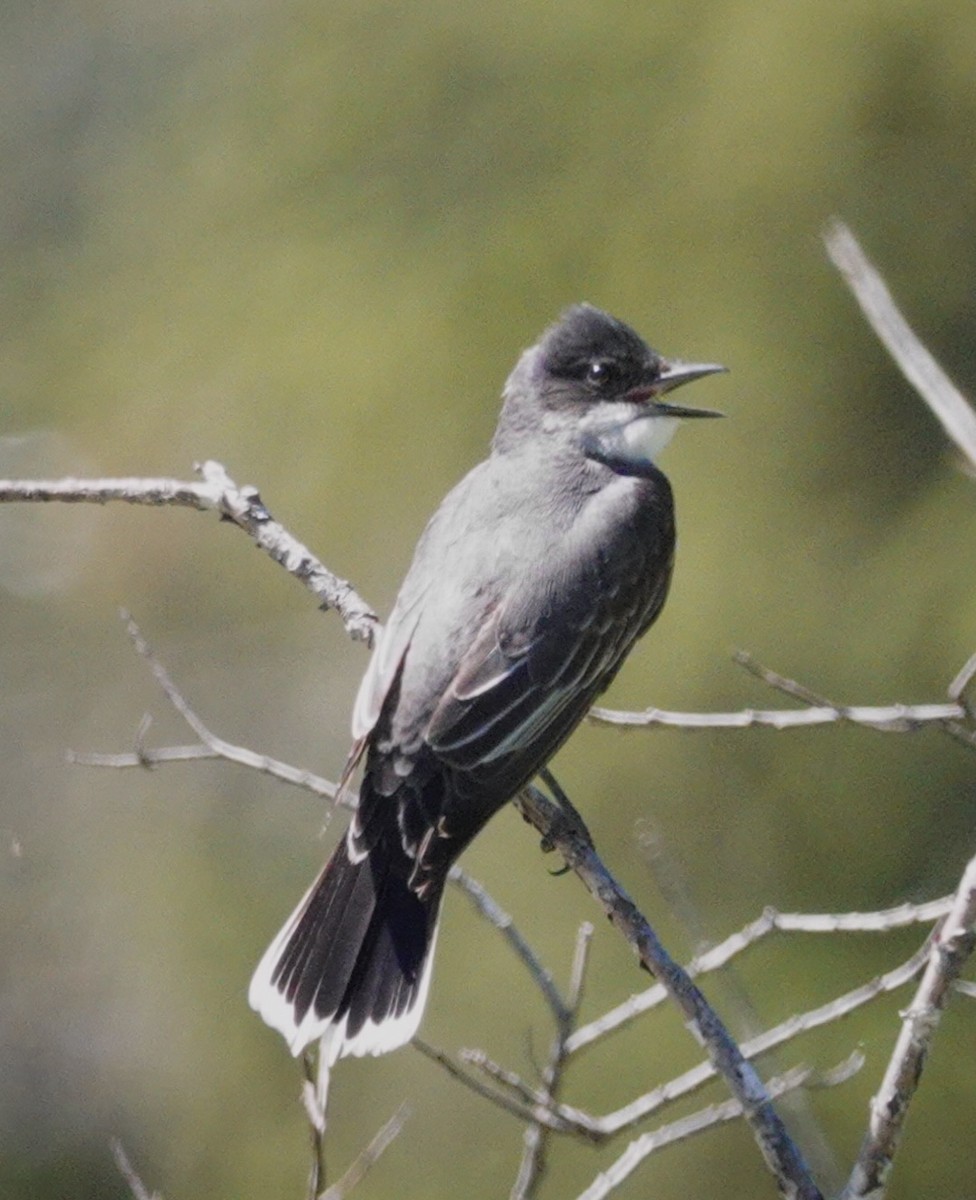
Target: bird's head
x,y
592,375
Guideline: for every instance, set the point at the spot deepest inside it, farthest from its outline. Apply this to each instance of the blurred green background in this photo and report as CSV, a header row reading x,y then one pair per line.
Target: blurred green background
x,y
309,240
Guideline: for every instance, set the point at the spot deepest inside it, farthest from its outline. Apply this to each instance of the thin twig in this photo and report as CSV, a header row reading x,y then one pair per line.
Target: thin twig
x,y
771,921
314,1105
954,718
952,946
564,1118
211,746
916,363
361,1166
496,915
716,1114
779,683
961,684
128,1173
827,1014
524,1112
535,1140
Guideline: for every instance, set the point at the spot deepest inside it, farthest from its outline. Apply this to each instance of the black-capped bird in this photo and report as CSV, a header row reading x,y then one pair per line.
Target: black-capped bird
x,y
529,586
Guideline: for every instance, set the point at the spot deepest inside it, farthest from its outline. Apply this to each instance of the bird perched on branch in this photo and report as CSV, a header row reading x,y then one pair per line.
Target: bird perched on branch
x,y
529,586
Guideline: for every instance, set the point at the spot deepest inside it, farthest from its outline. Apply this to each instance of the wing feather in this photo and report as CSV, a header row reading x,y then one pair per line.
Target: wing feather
x,y
384,665
517,696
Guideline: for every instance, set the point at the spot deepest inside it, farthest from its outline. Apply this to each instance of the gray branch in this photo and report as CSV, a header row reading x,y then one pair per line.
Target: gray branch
x,y
889,718
135,1185
957,717
565,834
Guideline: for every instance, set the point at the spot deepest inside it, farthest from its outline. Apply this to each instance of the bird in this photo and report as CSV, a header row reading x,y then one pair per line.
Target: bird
x,y
529,586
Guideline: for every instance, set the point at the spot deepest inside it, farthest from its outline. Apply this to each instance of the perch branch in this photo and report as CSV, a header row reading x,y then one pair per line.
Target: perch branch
x,y
780,1152
245,509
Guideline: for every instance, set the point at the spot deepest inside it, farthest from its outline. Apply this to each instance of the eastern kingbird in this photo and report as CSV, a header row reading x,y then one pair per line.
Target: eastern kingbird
x,y
529,586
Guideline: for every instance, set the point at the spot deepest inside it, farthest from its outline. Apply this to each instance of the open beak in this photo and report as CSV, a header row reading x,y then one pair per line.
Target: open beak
x,y
672,375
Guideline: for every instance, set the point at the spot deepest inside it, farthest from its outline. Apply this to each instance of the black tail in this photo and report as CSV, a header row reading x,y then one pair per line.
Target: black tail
x,y
352,963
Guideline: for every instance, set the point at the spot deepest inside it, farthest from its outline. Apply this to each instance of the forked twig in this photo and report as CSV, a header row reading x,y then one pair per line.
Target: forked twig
x,y
210,746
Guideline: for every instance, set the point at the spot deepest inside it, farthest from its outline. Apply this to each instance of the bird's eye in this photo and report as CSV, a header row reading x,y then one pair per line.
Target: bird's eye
x,y
600,372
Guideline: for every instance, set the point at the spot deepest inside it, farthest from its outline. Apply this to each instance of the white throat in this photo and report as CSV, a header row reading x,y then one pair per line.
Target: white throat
x,y
645,437
626,441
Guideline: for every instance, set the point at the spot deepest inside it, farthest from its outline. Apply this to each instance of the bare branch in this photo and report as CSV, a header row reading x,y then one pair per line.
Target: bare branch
x,y
896,719
770,922
961,686
211,745
955,718
244,508
496,915
951,947
314,1101
890,718
132,490
565,1118
536,1138
145,756
716,1114
216,492
524,1112
538,1108
770,1039
574,844
916,363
